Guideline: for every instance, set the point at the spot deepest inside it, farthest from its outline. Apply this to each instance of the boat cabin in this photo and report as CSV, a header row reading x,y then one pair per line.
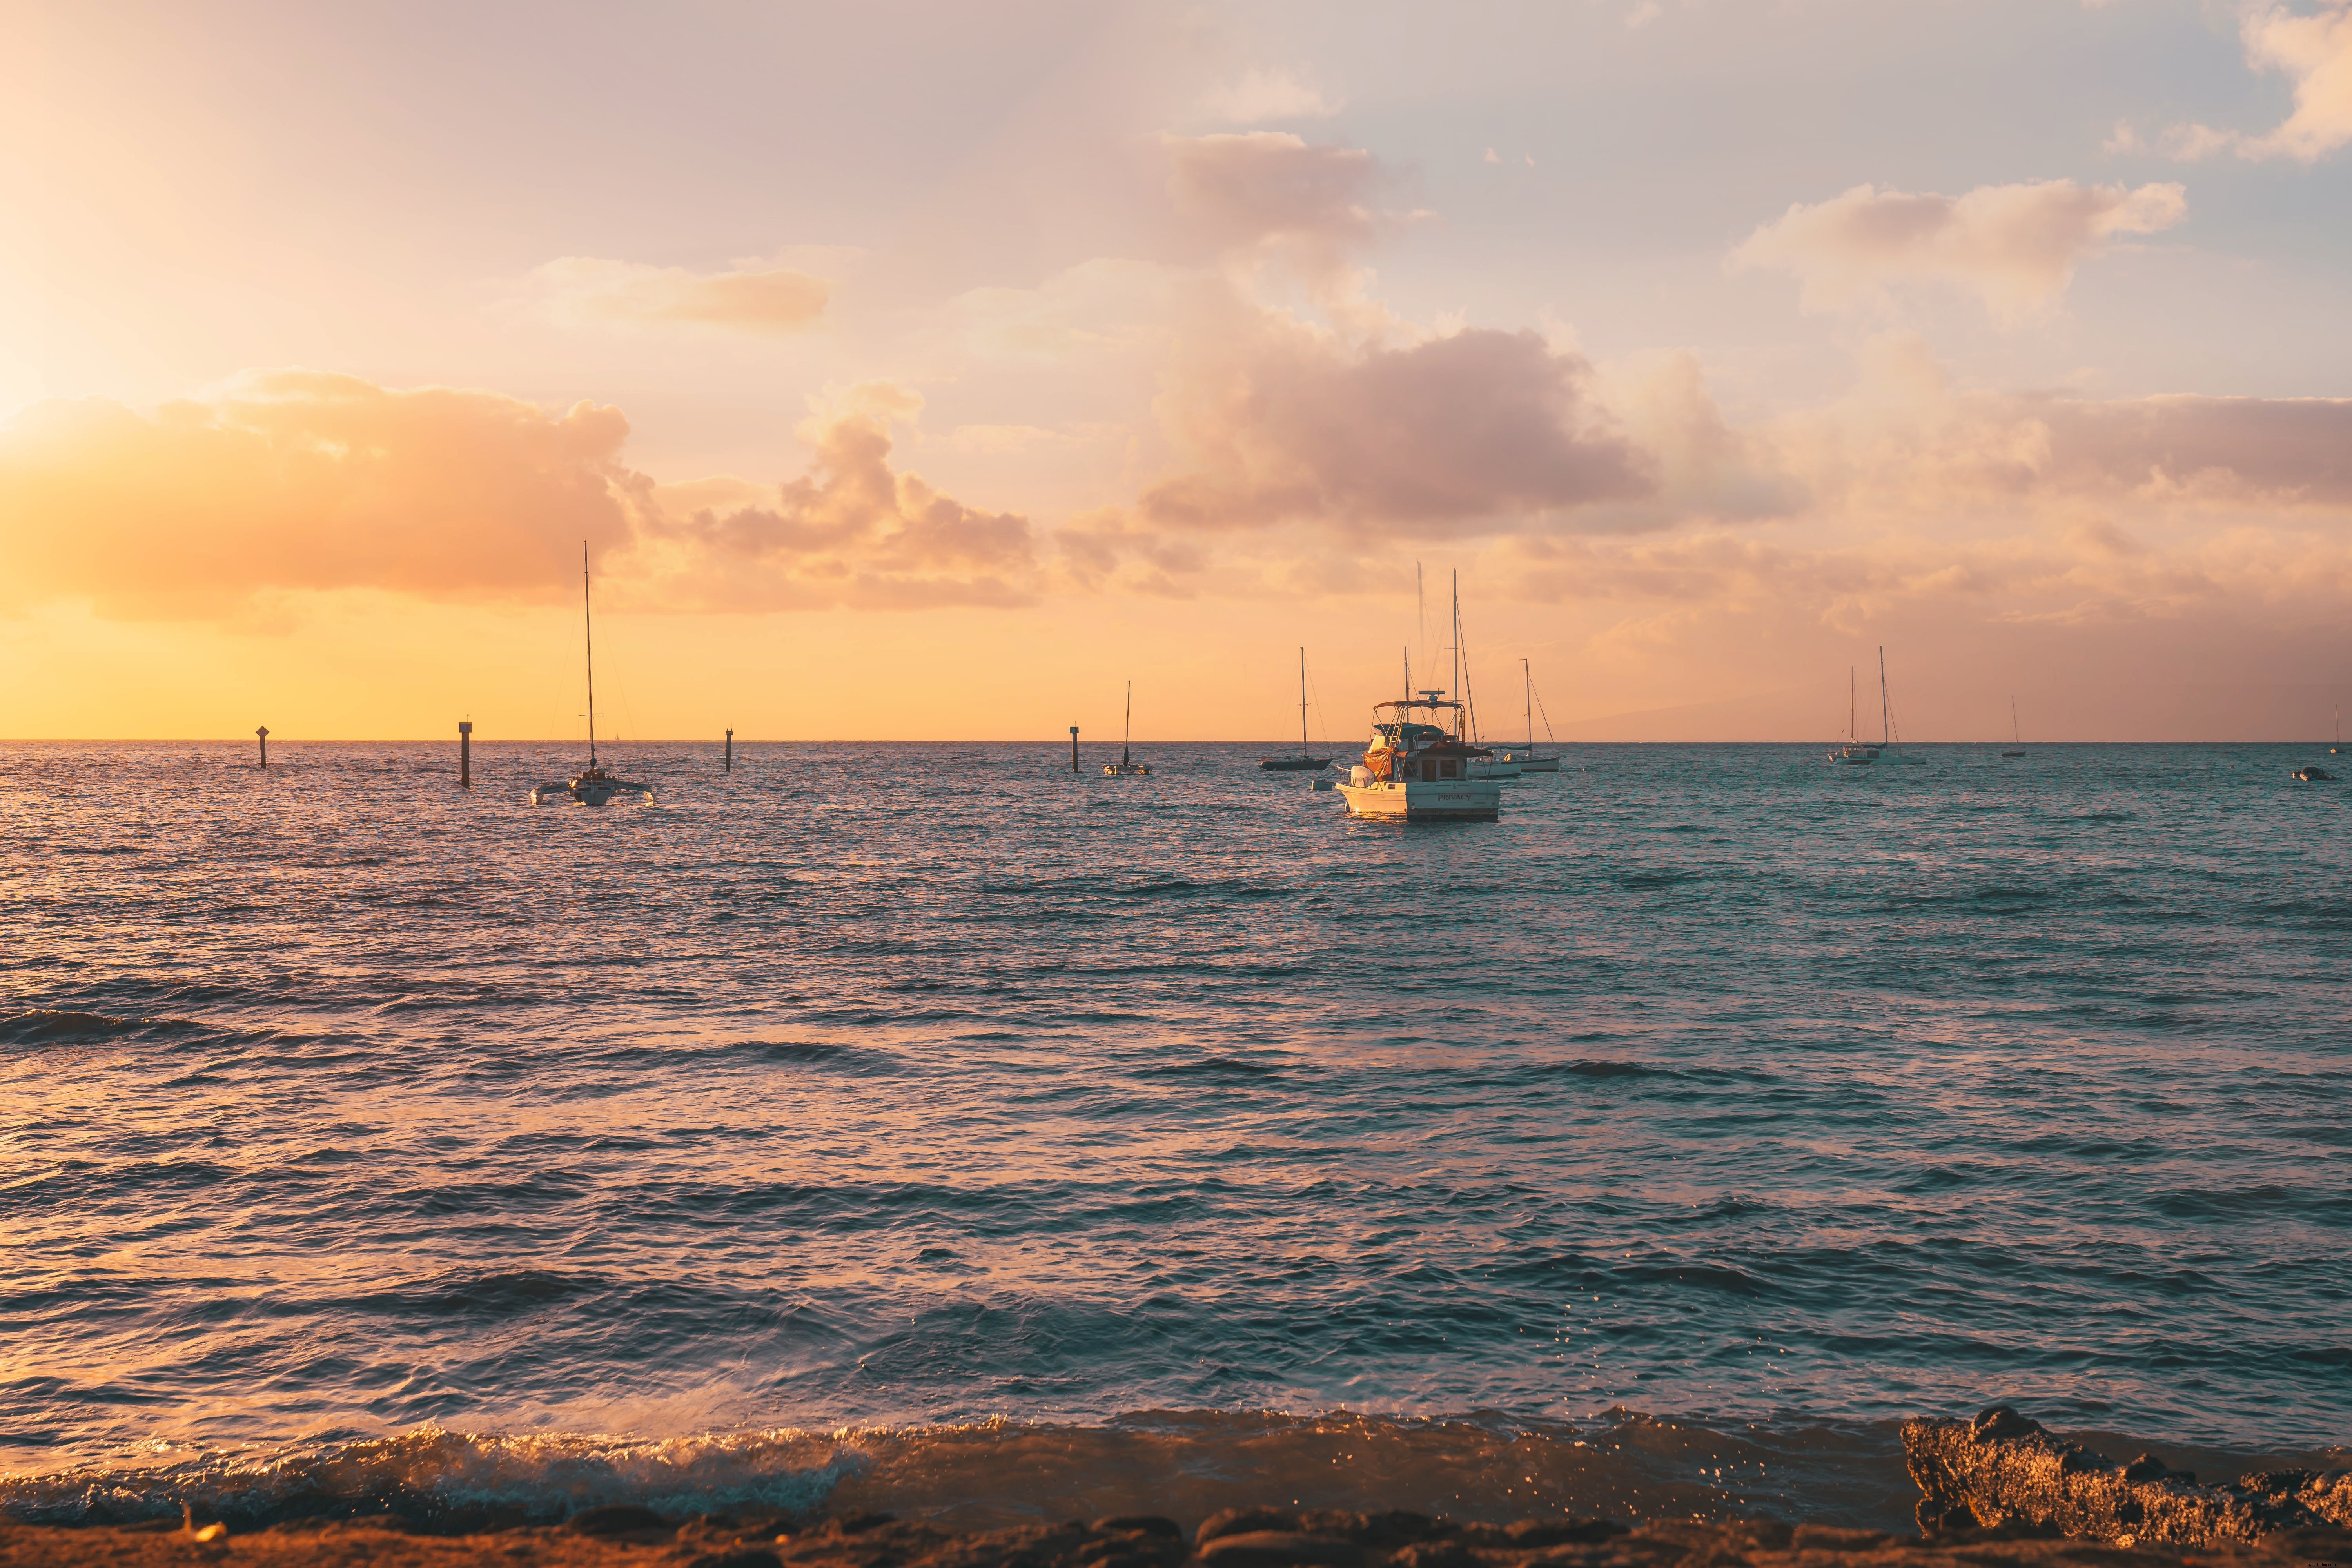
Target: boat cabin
x,y
1410,750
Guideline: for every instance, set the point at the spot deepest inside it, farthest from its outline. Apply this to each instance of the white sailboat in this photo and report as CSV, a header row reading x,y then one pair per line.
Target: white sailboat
x,y
1127,766
1853,753
1527,761
2016,736
1889,754
592,785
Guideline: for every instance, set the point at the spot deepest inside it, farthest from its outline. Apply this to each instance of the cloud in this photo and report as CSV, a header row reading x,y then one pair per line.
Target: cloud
x,y
2313,50
753,297
296,480
1262,95
851,530
1269,192
2014,246
1474,429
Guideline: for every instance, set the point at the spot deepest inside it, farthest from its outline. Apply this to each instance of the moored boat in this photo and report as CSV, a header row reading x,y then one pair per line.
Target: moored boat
x,y
592,785
1415,770
1127,766
1302,763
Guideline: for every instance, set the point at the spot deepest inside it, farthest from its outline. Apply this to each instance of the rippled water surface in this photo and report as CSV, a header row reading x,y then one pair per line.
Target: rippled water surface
x,y
913,1086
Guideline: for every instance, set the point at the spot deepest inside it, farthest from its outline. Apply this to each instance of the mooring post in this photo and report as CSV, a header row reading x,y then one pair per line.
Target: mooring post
x,y
466,755
263,733
730,753
1074,748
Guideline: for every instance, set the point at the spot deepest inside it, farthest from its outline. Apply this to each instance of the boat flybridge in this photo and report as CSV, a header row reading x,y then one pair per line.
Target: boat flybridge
x,y
1418,769
592,785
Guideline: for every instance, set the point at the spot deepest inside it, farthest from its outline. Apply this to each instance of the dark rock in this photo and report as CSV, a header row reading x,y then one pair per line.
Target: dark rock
x,y
1380,1532
617,1518
1829,1537
1142,1524
2003,1470
858,1523
1534,1532
1281,1548
1243,1521
739,1557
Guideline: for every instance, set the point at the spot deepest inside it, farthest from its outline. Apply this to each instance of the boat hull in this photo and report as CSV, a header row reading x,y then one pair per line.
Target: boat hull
x,y
1447,800
1493,768
1532,764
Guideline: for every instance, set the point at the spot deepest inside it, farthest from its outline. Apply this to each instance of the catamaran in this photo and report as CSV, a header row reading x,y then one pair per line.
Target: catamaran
x,y
1419,770
1127,766
1302,763
592,785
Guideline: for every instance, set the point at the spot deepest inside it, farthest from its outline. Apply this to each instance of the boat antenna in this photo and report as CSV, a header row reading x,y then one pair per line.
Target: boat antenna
x,y
588,626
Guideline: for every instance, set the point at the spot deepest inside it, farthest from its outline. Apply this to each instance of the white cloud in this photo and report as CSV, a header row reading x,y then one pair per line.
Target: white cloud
x,y
750,296
2313,50
1262,95
2015,246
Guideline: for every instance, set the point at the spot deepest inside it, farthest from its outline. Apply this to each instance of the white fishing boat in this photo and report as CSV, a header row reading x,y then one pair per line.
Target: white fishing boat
x,y
1127,766
592,785
1416,769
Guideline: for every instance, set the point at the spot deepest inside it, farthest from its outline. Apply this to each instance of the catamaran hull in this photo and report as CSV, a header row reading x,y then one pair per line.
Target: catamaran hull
x,y
1464,800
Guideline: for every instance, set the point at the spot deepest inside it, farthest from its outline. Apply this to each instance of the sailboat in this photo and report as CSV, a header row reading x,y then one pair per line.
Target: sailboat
x,y
592,785
2014,734
1127,766
1853,753
1528,761
1887,752
1302,763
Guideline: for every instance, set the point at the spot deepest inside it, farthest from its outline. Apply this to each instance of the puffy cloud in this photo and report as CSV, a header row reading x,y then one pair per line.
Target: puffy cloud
x,y
2015,246
2312,49
850,531
753,297
293,479
1262,95
1472,431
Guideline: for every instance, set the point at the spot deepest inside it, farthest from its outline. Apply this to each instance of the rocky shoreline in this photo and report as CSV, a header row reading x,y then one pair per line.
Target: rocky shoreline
x,y
2000,1492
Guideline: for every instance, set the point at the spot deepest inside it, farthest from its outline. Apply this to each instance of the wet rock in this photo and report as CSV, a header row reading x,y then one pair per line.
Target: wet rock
x,y
1243,1522
737,1557
2003,1470
617,1518
1281,1548
1534,1532
1141,1524
1829,1537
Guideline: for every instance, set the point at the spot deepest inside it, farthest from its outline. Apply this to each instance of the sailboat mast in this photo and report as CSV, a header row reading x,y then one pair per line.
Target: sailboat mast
x,y
1853,690
1456,650
1885,725
1527,692
588,626
1302,701
1128,734
2016,737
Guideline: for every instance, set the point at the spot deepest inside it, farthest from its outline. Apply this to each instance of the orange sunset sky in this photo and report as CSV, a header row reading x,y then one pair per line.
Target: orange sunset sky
x,y
928,370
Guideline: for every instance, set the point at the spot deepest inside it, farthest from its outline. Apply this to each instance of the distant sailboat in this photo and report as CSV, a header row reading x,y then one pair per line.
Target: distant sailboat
x,y
592,785
1853,753
1888,753
1127,766
1302,763
2014,734
1528,760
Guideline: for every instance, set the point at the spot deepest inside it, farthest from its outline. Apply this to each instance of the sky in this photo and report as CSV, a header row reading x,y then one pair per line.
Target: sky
x,y
929,371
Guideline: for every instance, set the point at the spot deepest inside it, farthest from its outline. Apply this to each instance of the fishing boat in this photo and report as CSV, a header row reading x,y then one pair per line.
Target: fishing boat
x,y
1528,761
592,785
1853,753
1416,769
1302,763
1127,766
2016,738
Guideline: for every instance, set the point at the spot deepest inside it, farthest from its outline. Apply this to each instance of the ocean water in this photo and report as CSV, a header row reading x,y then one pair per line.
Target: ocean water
x,y
924,1127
